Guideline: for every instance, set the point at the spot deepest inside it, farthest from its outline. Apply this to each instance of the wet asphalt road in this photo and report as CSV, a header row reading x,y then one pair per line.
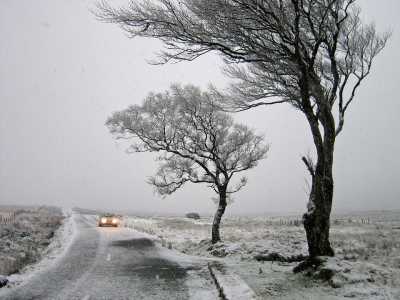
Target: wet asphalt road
x,y
115,263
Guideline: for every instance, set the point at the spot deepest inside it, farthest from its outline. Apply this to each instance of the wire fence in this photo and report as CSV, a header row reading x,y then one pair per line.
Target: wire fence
x,y
299,222
7,218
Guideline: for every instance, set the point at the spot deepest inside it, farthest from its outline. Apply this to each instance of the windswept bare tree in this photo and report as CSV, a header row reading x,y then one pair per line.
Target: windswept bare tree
x,y
313,54
198,143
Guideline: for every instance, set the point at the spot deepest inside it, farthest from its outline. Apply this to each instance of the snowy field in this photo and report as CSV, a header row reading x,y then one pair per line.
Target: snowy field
x,y
264,250
25,235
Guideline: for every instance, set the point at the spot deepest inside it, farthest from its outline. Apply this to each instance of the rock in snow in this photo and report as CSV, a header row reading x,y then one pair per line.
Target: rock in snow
x,y
3,281
193,215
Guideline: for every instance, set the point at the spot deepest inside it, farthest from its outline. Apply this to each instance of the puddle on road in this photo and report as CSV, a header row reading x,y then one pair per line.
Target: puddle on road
x,y
148,266
152,267
138,243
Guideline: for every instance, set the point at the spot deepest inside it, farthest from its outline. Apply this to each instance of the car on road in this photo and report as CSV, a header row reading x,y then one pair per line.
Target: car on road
x,y
109,220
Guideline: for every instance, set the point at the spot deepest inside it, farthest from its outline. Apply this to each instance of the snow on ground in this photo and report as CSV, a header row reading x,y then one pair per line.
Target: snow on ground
x,y
34,240
198,283
231,285
367,265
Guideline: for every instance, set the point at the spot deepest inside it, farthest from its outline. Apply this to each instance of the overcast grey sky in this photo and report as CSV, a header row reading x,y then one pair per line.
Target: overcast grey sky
x,y
62,73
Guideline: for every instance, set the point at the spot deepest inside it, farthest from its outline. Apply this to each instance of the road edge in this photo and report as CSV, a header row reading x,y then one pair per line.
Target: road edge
x,y
229,285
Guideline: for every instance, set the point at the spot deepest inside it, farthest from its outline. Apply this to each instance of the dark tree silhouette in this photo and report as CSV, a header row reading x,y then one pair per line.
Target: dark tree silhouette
x,y
198,143
313,54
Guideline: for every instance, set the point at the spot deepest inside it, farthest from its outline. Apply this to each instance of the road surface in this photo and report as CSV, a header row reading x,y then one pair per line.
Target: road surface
x,y
116,263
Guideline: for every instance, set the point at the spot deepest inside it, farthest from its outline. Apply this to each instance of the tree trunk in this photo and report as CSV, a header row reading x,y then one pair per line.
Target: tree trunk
x,y
317,218
215,235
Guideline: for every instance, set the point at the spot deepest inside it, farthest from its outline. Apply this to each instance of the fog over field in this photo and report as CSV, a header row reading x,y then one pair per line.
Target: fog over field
x,y
62,73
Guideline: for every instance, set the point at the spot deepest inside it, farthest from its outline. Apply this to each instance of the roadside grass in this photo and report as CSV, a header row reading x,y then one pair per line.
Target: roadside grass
x,y
23,240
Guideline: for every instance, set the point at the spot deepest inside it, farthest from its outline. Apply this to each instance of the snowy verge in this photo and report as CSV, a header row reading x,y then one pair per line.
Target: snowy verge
x,y
25,235
230,285
198,283
59,245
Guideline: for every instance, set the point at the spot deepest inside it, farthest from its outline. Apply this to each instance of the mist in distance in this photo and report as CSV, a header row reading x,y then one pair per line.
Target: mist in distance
x,y
63,73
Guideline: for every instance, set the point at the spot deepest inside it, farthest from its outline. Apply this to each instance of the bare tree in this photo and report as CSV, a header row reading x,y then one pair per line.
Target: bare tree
x,y
313,54
198,143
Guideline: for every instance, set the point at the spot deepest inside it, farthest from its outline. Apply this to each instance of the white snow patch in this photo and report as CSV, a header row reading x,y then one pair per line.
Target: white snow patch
x,y
232,286
58,247
200,287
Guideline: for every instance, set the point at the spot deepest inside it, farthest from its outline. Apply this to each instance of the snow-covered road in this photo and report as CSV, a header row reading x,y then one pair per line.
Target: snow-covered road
x,y
116,263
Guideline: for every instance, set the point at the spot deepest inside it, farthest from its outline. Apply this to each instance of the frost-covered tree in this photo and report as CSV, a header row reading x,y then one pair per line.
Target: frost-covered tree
x,y
312,54
197,142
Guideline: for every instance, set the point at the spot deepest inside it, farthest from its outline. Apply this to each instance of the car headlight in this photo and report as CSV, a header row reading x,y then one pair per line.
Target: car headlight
x,y
114,221
103,220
